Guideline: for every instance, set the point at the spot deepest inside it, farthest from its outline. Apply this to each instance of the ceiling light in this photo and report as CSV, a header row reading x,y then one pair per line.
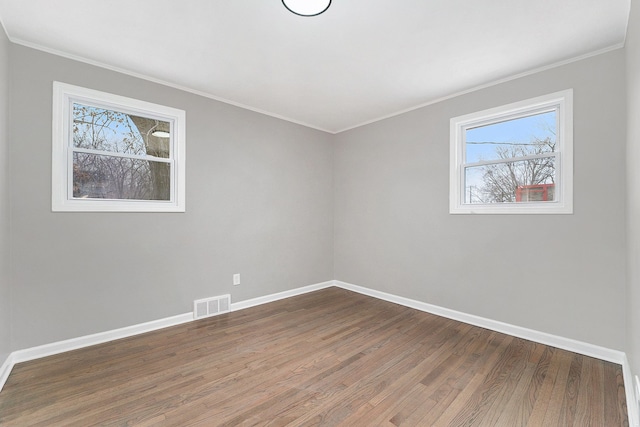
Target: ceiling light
x,y
307,7
161,134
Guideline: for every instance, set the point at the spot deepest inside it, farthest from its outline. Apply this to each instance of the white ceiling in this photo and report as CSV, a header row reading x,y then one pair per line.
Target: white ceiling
x,y
360,61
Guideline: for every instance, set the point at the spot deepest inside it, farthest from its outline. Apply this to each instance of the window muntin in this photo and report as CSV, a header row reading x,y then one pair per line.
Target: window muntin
x,y
514,159
112,153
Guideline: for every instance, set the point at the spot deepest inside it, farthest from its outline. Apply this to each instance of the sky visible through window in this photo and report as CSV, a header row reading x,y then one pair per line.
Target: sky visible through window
x,y
483,141
504,143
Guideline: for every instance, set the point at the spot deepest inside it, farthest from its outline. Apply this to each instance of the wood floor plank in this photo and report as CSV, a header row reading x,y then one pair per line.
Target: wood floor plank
x,y
535,392
443,393
330,357
570,399
548,379
589,410
510,412
375,411
516,374
441,379
613,394
466,392
552,415
492,388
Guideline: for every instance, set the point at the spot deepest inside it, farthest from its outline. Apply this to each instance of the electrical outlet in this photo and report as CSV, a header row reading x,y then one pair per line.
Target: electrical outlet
x,y
236,279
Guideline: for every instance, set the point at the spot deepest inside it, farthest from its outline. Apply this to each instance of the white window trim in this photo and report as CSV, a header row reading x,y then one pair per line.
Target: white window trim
x,y
564,154
62,198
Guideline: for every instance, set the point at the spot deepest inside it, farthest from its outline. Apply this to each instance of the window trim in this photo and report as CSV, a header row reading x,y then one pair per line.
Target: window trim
x,y
64,95
563,102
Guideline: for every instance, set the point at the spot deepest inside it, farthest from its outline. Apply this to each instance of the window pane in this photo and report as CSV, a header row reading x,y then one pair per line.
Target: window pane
x,y
525,136
511,182
109,177
107,130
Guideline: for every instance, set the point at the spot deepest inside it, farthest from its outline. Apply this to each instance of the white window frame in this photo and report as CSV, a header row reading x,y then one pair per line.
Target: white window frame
x,y
64,95
562,102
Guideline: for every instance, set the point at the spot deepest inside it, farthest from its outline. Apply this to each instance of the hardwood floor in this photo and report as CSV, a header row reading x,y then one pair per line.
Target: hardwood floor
x,y
330,357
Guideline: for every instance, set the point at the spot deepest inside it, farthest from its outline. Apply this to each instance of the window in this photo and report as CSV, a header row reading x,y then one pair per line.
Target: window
x,y
514,159
112,153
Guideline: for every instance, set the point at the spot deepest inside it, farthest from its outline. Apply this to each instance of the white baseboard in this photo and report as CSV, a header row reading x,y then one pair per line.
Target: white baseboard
x,y
86,341
630,392
280,295
102,337
99,338
5,370
569,344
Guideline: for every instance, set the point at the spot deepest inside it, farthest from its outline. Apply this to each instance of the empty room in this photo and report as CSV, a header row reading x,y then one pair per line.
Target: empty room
x,y
320,213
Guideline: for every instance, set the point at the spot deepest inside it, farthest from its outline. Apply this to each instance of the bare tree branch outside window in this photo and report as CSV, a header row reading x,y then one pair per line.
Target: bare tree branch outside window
x,y
111,163
507,170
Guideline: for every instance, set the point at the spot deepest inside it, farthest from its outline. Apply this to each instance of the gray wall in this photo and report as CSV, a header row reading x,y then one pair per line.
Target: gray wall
x,y
287,206
560,274
259,203
5,291
632,50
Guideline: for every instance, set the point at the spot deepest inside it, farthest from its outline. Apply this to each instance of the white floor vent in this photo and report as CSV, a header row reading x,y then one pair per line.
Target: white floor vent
x,y
211,306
